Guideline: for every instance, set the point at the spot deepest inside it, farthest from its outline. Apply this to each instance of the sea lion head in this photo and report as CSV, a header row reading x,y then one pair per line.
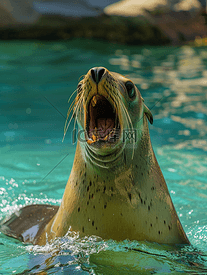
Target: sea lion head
x,y
109,109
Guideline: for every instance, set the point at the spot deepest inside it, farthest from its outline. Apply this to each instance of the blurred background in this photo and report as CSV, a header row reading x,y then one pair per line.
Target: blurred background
x,y
128,21
45,47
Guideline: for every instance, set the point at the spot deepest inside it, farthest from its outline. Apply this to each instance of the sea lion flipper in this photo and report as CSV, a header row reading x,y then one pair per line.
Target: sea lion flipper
x,y
27,223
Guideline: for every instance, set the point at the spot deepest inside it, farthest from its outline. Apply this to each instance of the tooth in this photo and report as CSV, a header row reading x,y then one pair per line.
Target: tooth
x,y
95,136
111,133
94,101
90,141
106,137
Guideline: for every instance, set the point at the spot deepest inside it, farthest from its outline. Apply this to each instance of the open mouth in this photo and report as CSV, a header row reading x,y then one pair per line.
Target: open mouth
x,y
102,122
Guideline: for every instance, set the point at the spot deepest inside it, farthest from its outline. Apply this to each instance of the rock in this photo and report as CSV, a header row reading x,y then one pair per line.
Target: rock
x,y
28,11
19,12
6,18
134,7
153,22
116,29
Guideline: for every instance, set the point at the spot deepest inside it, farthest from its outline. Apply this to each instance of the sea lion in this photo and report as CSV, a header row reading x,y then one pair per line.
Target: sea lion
x,y
116,189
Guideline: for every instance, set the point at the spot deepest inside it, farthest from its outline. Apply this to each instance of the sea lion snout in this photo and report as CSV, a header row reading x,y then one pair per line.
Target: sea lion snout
x,y
101,109
97,73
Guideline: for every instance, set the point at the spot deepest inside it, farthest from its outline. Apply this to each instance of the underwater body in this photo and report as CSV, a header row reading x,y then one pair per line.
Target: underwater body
x,y
36,81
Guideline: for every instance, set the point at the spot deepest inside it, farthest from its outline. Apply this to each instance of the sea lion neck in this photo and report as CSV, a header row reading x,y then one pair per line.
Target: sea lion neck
x,y
99,164
112,166
121,158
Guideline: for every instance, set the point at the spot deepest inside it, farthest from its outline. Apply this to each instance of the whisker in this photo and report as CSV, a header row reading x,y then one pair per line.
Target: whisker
x,y
75,103
80,77
123,107
72,95
128,119
129,122
76,111
77,106
69,111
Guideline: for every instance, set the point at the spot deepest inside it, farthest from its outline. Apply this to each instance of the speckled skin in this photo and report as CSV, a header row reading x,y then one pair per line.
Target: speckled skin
x,y
117,192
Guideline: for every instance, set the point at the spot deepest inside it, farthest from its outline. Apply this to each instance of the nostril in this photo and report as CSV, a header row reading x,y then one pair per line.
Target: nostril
x,y
93,74
97,73
101,72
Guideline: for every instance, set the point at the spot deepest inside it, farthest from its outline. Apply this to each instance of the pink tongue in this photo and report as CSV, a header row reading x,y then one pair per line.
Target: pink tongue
x,y
104,127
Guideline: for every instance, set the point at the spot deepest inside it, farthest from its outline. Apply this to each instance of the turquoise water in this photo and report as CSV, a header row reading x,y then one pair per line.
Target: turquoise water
x,y
36,81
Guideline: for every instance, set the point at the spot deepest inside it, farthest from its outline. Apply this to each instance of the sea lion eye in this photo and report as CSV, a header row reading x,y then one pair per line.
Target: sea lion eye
x,y
130,89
